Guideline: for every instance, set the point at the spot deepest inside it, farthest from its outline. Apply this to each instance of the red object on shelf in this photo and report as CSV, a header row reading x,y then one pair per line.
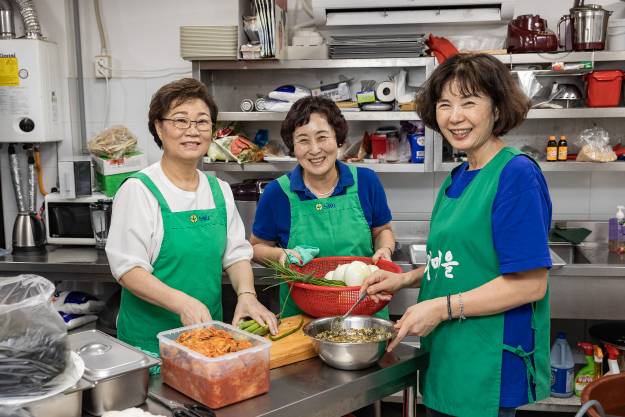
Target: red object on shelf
x,y
378,145
320,301
604,88
529,33
441,48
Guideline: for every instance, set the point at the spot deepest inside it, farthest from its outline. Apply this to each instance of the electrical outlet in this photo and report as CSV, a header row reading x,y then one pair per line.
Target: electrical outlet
x,y
103,66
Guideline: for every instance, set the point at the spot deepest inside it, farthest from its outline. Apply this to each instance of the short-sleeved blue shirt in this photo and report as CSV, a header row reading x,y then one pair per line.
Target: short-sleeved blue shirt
x,y
520,220
272,221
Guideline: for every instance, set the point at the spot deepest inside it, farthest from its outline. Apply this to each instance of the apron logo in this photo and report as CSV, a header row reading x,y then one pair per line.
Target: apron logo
x,y
437,262
320,206
194,218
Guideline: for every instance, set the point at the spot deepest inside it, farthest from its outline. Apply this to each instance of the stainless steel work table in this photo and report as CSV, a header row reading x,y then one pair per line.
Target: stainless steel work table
x,y
313,389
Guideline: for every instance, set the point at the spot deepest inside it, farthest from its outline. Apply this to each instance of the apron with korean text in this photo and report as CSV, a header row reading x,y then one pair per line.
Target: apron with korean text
x,y
189,260
464,374
336,225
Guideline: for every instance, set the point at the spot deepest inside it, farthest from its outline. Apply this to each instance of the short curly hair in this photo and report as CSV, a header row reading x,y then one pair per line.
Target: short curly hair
x,y
175,93
475,74
299,115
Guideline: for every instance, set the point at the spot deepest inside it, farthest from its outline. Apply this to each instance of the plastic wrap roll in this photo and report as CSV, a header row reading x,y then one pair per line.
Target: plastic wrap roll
x,y
385,91
247,105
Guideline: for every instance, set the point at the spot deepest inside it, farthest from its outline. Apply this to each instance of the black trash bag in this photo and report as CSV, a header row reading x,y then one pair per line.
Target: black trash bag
x,y
33,339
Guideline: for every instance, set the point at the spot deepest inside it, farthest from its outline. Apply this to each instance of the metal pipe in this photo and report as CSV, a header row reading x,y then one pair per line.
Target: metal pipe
x,y
7,29
82,124
30,18
15,179
410,403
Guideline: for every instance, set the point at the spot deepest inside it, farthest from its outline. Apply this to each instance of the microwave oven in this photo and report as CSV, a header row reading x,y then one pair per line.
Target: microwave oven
x,y
68,220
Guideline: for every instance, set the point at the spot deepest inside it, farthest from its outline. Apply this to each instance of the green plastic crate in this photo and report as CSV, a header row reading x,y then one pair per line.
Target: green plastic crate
x,y
109,184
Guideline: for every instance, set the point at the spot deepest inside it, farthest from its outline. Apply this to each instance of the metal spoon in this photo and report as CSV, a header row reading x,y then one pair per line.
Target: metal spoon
x,y
337,322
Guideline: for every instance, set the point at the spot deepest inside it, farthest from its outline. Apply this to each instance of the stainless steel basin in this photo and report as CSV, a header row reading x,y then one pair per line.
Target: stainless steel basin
x,y
571,254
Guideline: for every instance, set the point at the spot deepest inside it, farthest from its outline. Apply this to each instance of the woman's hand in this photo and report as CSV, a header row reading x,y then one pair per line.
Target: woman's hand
x,y
382,253
420,319
283,258
249,306
191,310
382,284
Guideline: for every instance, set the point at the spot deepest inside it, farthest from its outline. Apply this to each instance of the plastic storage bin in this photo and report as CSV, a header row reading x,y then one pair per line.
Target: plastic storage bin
x,y
215,382
604,88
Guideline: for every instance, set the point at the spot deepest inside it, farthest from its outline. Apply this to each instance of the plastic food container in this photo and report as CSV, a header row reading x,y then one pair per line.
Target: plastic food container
x,y
220,381
604,88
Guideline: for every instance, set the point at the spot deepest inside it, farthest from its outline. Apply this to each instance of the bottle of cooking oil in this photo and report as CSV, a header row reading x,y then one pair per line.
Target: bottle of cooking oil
x,y
562,149
552,149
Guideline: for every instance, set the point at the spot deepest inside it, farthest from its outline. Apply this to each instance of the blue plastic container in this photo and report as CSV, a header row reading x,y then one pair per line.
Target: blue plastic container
x,y
417,147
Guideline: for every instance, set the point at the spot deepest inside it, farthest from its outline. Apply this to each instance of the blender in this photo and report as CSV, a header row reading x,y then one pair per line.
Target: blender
x,y
101,221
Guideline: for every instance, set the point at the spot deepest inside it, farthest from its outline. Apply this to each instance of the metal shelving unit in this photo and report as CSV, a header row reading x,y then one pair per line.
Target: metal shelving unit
x,y
287,166
617,166
578,113
365,116
566,57
266,72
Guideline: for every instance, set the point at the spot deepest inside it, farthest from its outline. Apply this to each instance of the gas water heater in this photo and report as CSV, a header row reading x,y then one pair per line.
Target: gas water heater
x,y
29,91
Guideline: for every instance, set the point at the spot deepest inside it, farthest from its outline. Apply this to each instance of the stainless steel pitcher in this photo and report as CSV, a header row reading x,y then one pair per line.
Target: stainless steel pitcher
x,y
590,25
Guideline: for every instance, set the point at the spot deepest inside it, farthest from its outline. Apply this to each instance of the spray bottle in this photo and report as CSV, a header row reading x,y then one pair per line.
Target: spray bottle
x,y
587,374
598,358
613,353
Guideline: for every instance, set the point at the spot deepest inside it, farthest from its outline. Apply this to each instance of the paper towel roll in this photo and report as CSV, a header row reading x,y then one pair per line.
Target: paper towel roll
x,y
385,91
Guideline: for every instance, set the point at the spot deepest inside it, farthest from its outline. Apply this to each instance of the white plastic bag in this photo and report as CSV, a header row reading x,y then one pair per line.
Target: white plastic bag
x,y
595,146
33,339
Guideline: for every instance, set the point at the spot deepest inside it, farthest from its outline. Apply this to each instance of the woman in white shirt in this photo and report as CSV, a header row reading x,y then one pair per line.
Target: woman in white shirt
x,y
175,229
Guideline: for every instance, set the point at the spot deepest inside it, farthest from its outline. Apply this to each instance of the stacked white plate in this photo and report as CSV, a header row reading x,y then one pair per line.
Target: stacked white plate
x,y
208,42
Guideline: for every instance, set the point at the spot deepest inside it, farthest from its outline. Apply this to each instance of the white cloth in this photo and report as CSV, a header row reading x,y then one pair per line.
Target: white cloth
x,y
136,231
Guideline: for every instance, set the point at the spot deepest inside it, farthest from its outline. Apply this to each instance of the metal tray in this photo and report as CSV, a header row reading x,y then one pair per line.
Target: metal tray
x,y
106,357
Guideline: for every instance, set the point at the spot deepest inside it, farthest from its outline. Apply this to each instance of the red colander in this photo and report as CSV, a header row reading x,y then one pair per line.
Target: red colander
x,y
321,301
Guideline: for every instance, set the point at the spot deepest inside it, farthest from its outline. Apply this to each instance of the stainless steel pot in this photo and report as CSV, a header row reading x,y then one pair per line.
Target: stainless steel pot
x,y
119,372
66,404
590,25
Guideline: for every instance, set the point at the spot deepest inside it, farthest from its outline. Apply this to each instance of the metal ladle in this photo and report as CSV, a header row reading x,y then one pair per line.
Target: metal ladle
x,y
337,323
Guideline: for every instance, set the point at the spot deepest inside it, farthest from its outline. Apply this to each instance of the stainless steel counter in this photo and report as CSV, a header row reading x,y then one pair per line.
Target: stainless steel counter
x,y
313,389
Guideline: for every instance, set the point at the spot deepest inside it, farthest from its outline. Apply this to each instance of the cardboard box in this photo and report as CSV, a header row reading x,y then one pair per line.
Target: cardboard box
x,y
337,92
111,173
132,162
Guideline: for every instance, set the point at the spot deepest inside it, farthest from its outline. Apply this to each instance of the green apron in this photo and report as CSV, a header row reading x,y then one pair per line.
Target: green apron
x,y
464,373
189,260
336,225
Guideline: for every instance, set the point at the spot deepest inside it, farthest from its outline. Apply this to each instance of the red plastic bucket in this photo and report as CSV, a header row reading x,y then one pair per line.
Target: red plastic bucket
x,y
604,88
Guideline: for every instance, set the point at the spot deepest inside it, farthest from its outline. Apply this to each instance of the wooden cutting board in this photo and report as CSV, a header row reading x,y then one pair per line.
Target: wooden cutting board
x,y
293,348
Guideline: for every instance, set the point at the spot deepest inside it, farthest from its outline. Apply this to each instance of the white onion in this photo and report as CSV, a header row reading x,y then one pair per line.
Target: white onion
x,y
339,272
373,268
329,275
356,273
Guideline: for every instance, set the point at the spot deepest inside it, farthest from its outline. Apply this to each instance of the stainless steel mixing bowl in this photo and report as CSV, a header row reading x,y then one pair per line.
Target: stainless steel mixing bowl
x,y
349,356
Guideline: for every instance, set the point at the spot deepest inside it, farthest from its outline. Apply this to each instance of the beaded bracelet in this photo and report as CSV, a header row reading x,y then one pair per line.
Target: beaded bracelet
x,y
461,304
449,316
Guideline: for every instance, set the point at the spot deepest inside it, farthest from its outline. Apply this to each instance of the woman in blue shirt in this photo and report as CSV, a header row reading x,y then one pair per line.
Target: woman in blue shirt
x,y
487,252
338,208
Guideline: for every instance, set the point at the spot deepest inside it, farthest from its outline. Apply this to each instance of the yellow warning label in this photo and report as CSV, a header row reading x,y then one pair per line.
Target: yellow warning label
x,y
8,72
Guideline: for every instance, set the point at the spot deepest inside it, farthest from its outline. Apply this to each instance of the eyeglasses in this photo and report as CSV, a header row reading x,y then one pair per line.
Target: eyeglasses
x,y
203,125
307,142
